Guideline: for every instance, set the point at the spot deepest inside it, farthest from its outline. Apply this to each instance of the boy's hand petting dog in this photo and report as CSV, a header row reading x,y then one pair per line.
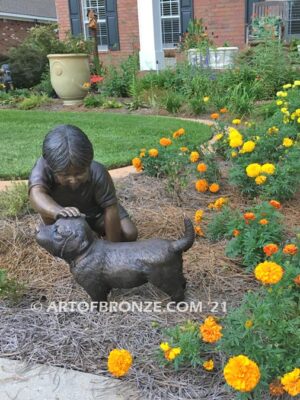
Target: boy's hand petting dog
x,y
69,212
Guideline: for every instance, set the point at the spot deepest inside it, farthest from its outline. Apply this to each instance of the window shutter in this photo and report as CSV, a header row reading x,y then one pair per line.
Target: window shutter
x,y
76,26
186,14
112,24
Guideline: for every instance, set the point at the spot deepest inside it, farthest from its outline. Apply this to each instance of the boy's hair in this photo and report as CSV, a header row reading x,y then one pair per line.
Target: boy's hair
x,y
65,146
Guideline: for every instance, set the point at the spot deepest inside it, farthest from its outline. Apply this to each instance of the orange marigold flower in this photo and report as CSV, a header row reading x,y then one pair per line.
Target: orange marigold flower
x,y
290,249
210,330
214,116
249,216
181,131
236,233
142,154
268,272
165,142
242,373
275,203
184,149
276,389
264,221
201,185
136,162
291,382
119,361
201,167
223,110
194,156
297,280
176,135
198,216
214,188
270,249
208,365
199,231
153,152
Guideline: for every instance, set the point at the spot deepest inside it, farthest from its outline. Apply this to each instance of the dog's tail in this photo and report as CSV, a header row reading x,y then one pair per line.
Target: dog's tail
x,y
187,240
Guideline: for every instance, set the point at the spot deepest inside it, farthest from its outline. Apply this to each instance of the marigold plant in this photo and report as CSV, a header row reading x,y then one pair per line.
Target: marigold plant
x,y
242,373
119,362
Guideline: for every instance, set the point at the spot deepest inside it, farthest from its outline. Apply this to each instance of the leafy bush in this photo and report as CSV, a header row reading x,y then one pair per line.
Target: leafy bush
x,y
10,288
14,201
247,233
45,85
33,101
112,104
172,102
92,100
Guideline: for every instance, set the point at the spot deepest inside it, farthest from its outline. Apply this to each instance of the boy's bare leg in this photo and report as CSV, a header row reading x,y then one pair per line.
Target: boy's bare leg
x,y
128,229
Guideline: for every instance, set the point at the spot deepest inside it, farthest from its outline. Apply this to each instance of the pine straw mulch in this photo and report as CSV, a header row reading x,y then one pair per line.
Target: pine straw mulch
x,y
82,341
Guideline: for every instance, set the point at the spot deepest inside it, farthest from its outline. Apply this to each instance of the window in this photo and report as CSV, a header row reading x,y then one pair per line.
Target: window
x,y
98,6
170,22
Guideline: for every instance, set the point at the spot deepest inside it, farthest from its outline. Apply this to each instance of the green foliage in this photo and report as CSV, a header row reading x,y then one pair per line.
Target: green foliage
x,y
112,104
264,28
251,235
173,102
45,85
14,201
272,340
35,100
93,100
186,337
196,36
9,288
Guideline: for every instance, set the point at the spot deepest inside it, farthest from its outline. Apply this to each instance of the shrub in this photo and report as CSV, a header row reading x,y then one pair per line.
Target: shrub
x,y
172,102
92,100
33,101
248,233
14,201
10,288
45,85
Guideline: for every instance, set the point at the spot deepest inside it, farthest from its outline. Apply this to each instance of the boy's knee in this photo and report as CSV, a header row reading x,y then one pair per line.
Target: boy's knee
x,y
129,230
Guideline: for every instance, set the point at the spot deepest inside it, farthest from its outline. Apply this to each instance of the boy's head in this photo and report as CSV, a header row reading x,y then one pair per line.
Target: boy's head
x,y
69,153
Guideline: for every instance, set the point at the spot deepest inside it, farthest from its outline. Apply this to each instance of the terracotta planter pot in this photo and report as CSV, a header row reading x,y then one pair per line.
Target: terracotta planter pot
x,y
68,73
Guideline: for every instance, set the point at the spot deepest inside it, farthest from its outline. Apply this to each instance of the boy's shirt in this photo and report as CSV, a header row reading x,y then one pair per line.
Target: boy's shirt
x,y
91,197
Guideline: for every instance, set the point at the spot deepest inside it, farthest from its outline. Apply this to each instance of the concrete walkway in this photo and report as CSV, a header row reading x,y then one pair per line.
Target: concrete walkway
x,y
115,174
41,382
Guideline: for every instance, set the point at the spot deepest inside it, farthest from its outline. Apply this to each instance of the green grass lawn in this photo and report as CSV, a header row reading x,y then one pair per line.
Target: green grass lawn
x,y
116,137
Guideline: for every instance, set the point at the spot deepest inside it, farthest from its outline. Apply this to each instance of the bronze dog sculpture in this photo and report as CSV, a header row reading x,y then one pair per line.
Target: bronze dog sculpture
x,y
98,265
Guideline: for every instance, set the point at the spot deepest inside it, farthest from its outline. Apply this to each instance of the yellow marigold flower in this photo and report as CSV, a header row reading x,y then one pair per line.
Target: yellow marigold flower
x,y
199,231
276,389
260,179
287,86
219,136
248,124
153,152
201,185
253,170
268,272
208,365
86,85
268,168
206,99
263,221
287,142
235,138
172,353
201,167
214,188
165,142
199,216
219,203
210,330
284,110
119,362
242,373
234,154
279,102
273,129
136,162
184,149
286,119
164,346
293,116
236,142
248,147
194,156
142,154
281,94
297,112
297,83
291,380
248,324
236,121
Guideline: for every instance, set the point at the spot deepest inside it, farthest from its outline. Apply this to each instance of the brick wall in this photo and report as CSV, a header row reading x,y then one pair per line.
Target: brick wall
x,y
224,19
12,33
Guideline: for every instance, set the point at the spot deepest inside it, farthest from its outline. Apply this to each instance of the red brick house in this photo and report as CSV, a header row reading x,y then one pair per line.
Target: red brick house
x,y
154,25
18,16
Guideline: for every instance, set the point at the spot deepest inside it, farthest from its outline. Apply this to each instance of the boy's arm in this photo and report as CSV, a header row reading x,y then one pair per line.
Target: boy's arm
x,y
112,223
48,209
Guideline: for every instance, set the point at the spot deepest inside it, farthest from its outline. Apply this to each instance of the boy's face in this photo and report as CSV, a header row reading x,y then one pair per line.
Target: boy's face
x,y
72,177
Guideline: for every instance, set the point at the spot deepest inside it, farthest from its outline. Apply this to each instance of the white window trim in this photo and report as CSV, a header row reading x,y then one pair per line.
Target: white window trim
x,y
85,27
168,46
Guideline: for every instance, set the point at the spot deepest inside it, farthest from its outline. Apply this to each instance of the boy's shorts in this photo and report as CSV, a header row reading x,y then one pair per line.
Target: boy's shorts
x,y
98,220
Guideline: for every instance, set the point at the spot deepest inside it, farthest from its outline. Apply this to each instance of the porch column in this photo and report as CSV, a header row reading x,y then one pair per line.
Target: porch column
x,y
151,51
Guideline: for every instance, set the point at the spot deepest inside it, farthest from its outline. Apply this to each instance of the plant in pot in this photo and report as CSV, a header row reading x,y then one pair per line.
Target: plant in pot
x,y
201,50
69,69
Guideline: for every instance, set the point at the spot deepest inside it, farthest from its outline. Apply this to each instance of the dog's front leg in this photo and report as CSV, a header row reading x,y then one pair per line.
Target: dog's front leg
x,y
98,291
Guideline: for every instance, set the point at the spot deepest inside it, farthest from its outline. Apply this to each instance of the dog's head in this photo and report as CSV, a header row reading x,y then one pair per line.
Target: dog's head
x,y
67,238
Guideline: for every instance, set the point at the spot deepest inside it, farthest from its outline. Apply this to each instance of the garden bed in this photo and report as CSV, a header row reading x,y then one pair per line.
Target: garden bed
x,y
83,341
